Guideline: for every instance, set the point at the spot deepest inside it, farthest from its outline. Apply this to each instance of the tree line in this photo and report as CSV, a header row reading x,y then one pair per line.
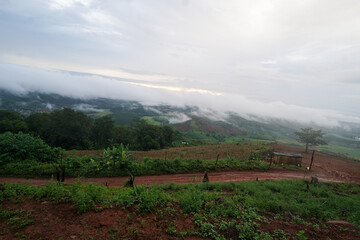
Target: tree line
x,y
71,129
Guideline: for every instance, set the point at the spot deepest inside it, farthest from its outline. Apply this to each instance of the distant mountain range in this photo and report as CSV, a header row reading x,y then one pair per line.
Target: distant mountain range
x,y
202,125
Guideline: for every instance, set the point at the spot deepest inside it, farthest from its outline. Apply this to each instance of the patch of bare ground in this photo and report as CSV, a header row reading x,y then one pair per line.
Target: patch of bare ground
x,y
327,166
320,231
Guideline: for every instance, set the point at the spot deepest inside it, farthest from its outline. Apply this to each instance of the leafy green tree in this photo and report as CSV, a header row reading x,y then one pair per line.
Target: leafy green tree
x,y
102,131
68,129
148,136
310,137
12,122
21,146
123,134
37,123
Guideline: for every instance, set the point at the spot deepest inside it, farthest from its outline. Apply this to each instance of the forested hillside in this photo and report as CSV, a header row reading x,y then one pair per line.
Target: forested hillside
x,y
101,116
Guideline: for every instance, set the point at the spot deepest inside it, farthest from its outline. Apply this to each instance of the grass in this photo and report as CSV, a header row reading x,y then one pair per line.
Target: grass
x,y
218,210
346,152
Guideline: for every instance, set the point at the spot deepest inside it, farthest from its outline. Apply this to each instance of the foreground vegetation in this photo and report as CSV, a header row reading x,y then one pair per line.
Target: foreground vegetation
x,y
215,210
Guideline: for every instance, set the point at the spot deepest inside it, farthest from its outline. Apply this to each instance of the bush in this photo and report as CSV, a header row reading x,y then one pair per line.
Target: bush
x,y
151,198
192,199
21,146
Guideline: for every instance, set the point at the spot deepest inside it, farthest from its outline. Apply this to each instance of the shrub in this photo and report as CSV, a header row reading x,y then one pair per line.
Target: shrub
x,y
151,198
20,146
192,199
125,197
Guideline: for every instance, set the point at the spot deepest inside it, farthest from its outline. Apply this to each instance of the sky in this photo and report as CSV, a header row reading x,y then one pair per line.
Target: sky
x,y
296,60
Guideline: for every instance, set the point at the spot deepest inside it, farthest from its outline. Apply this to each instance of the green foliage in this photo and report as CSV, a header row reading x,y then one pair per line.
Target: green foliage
x,y
37,123
192,199
148,137
279,234
85,196
21,147
12,122
118,157
223,207
300,235
19,222
117,161
68,129
102,131
126,197
150,199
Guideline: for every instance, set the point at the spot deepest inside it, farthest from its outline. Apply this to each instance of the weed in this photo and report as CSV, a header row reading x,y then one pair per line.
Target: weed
x,y
208,230
171,229
19,222
133,230
151,198
128,218
143,224
300,235
279,234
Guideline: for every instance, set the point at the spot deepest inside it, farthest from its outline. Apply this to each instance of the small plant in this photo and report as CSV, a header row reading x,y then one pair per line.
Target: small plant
x,y
150,199
208,230
171,229
118,156
192,200
143,224
279,234
300,235
128,218
133,230
19,222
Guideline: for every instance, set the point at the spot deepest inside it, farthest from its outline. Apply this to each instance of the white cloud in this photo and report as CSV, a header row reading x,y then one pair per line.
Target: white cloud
x,y
178,118
212,106
63,4
86,108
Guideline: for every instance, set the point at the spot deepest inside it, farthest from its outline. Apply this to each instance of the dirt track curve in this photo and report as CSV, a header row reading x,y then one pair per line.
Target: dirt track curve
x,y
325,168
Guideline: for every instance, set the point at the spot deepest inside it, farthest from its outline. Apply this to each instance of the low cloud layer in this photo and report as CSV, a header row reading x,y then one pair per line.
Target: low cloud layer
x,y
216,107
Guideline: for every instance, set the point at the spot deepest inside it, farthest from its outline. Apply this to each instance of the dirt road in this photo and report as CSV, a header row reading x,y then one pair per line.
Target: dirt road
x,y
325,168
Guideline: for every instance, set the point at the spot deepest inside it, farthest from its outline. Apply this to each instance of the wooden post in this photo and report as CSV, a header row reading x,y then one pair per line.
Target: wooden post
x,y
62,173
58,173
312,160
271,160
217,158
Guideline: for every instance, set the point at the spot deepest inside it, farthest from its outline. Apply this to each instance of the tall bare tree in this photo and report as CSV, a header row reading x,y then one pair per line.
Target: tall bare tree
x,y
310,137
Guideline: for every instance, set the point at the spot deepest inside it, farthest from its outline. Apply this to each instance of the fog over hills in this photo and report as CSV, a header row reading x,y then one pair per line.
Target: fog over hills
x,y
218,105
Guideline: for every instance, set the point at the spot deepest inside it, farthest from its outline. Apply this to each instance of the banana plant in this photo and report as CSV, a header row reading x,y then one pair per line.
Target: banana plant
x,y
118,156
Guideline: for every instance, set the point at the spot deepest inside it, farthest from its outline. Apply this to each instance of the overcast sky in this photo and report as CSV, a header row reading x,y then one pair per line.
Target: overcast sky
x,y
297,60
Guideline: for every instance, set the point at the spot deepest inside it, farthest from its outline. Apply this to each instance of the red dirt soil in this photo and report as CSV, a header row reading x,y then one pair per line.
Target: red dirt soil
x,y
325,168
60,221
